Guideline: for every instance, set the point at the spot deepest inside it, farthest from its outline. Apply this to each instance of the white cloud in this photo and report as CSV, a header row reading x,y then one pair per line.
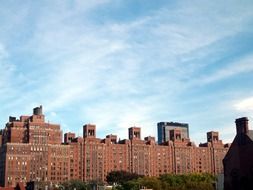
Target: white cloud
x,y
116,117
244,105
53,114
185,29
241,66
6,70
121,73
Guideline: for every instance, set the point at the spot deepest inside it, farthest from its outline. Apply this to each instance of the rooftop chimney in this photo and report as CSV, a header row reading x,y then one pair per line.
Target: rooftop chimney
x,y
242,129
37,111
242,126
134,133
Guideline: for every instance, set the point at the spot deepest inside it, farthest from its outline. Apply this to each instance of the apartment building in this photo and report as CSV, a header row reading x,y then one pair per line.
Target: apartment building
x,y
32,150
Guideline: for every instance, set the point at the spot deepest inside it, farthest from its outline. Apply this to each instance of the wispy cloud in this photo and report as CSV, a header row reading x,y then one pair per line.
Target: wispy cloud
x,y
96,62
117,117
238,67
245,104
6,70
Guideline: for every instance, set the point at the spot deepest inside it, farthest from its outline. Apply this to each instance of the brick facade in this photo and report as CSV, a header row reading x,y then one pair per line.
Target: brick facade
x,y
32,150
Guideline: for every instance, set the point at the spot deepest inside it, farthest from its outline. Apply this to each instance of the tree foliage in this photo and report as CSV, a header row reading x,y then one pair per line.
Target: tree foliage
x,y
120,177
80,185
75,184
171,182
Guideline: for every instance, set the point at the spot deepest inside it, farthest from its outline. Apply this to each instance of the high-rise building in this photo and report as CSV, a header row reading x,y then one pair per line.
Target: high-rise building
x,y
32,150
164,128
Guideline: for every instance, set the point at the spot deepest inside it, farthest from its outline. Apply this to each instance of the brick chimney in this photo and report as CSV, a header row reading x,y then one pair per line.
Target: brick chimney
x,y
242,126
242,129
37,111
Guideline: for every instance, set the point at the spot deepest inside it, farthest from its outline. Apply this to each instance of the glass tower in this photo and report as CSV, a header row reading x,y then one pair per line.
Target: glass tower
x,y
163,129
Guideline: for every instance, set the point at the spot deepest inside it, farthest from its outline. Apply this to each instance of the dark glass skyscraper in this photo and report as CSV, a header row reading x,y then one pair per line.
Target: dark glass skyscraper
x,y
163,130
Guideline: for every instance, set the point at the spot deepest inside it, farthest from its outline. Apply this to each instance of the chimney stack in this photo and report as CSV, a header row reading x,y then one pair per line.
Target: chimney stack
x,y
37,111
242,125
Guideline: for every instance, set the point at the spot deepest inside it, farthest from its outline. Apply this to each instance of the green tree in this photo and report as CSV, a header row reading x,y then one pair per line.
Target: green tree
x,y
130,185
165,182
187,181
150,182
74,184
169,180
120,177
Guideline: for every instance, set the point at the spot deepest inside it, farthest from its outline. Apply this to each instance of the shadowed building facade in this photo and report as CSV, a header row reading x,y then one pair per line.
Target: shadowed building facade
x,y
32,150
238,162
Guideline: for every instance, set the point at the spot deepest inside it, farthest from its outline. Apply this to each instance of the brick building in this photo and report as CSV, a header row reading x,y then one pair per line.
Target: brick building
x,y
238,163
32,150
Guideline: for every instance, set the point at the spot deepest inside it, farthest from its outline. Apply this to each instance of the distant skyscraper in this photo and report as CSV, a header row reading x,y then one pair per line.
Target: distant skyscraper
x,y
163,129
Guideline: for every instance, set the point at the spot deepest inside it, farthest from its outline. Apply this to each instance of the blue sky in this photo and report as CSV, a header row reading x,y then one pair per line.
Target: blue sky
x,y
119,63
